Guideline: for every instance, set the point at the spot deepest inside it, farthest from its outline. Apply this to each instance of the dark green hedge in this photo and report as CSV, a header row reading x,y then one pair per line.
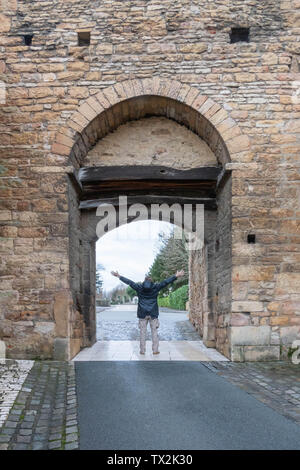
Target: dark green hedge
x,y
176,299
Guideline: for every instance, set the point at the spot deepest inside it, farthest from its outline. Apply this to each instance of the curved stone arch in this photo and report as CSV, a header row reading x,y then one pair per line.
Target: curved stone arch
x,y
133,99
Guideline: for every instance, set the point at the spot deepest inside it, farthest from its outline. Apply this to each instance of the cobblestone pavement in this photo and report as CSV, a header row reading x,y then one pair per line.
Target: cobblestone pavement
x,y
128,330
12,376
44,413
277,384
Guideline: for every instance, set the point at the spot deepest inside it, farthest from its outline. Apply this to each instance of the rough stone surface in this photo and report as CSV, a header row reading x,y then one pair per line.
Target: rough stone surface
x,y
152,141
43,412
250,335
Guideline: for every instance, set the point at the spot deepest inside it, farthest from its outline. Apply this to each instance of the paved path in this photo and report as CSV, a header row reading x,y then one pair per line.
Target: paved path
x,y
120,323
173,405
130,351
38,403
118,338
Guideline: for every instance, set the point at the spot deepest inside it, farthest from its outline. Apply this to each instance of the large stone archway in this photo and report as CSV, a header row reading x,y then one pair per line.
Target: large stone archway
x,y
102,115
129,100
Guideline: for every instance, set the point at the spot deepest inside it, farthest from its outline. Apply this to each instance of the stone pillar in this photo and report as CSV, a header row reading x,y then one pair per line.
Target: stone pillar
x,y
62,314
201,273
89,291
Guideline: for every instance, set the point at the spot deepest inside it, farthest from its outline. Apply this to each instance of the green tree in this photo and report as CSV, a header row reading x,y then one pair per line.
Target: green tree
x,y
131,292
171,257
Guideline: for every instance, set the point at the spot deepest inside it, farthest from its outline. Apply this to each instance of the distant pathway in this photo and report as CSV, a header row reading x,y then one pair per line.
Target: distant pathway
x,y
119,323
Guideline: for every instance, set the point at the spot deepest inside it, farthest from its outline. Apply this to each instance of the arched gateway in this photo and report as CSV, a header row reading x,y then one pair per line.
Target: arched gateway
x,y
180,145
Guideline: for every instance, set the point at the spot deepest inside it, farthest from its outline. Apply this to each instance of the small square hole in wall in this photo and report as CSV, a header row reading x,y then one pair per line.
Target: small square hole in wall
x,y
251,238
239,35
84,38
27,39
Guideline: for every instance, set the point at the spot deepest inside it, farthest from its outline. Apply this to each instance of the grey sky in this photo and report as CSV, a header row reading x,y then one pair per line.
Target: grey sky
x,y
129,249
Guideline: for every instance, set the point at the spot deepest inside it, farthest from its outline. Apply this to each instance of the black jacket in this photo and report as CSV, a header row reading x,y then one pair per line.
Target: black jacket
x,y
147,295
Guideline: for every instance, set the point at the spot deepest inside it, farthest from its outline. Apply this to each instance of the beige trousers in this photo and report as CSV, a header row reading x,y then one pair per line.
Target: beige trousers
x,y
154,325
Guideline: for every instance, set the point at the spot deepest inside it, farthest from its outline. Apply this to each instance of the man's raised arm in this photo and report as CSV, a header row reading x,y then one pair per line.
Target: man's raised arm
x,y
173,278
132,284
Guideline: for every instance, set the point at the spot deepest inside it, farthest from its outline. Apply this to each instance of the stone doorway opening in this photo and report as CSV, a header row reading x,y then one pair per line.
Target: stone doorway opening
x,y
117,329
208,266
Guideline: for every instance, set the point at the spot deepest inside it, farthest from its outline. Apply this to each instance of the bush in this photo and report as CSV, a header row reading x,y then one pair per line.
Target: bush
x,y
179,297
176,299
163,301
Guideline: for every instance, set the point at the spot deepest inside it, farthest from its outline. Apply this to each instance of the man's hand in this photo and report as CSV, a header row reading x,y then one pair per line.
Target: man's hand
x,y
179,273
115,273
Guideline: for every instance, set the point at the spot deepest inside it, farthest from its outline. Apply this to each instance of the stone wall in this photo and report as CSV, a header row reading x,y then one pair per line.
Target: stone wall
x,y
252,86
152,141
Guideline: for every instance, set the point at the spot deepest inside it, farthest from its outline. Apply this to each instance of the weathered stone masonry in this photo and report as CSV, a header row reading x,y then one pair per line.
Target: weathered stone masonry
x,y
150,60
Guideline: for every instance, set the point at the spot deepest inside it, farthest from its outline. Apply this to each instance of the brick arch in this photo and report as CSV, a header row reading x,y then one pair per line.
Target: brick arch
x,y
133,99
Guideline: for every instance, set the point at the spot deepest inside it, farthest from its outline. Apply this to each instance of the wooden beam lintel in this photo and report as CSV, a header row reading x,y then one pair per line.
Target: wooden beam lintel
x,y
146,172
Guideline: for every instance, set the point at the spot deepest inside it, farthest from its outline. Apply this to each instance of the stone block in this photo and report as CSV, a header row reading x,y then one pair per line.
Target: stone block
x,y
238,144
252,273
45,327
237,354
61,349
250,335
247,306
289,333
5,23
239,319
75,344
288,283
61,311
104,49
279,320
261,353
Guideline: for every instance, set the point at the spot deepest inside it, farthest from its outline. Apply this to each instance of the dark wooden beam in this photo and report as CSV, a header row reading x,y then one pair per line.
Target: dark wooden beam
x,y
146,172
147,185
195,193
